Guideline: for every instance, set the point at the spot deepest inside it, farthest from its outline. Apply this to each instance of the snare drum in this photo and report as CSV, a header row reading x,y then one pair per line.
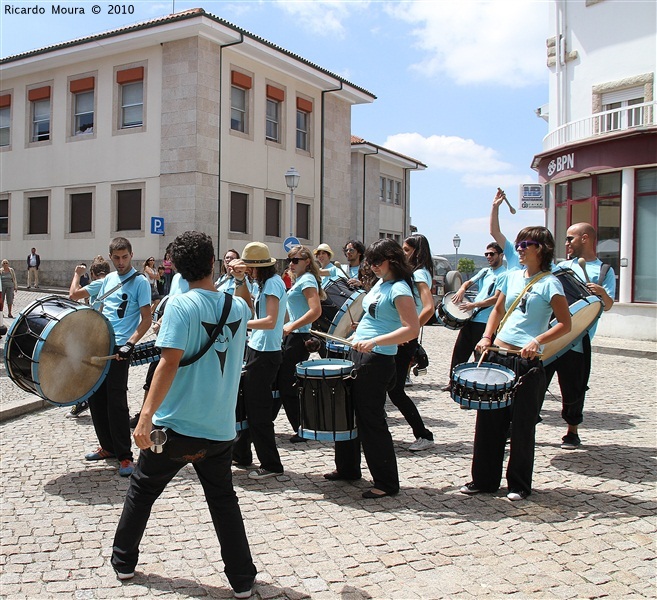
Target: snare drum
x,y
337,349
49,347
342,305
326,407
488,386
585,309
144,353
450,314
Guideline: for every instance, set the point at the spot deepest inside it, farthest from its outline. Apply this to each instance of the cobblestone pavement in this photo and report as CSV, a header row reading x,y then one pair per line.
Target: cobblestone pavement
x,y
587,531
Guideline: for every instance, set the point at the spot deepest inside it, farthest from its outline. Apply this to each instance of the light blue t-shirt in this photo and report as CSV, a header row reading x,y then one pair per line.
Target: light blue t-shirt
x,y
593,271
268,340
381,316
488,285
297,304
178,285
352,271
532,314
121,308
420,276
226,283
512,257
92,289
202,398
333,273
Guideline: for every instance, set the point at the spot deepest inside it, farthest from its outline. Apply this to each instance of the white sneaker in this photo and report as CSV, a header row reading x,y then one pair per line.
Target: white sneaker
x,y
420,444
262,474
408,382
244,594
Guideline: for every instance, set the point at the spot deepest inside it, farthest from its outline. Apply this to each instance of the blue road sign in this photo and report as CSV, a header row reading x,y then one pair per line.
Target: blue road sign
x,y
157,225
290,242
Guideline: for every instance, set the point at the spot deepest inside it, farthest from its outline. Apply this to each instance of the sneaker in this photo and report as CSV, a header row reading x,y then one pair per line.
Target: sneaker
x,y
134,420
446,388
408,382
244,594
420,444
514,495
262,474
297,439
77,410
99,454
126,469
125,576
570,441
470,489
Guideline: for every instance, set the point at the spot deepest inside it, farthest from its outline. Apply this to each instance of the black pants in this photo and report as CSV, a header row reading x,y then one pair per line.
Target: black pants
x,y
398,394
374,375
261,370
573,369
492,427
211,461
465,343
110,413
294,351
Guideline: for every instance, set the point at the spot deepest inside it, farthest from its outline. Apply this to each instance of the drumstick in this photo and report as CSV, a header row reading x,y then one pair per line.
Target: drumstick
x,y
328,336
350,317
483,354
99,359
582,263
505,351
513,210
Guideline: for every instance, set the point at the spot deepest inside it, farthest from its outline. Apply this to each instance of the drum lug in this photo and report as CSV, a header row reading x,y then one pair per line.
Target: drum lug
x,y
352,375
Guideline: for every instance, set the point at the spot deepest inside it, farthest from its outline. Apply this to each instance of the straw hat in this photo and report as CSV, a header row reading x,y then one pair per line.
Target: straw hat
x,y
325,248
256,254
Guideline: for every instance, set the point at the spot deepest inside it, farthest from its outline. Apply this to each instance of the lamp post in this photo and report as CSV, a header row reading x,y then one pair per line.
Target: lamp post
x,y
292,181
457,243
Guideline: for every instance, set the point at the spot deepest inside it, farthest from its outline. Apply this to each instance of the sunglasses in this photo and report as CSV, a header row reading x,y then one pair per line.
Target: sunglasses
x,y
569,238
295,260
377,263
349,250
490,253
525,244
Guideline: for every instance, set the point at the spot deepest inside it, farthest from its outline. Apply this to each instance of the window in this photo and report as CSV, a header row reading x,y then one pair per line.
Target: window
x,y
645,256
303,125
132,104
128,210
238,109
81,212
391,186
397,192
37,209
239,101
303,221
239,204
273,217
620,102
304,110
273,125
83,113
41,120
4,215
5,120
382,189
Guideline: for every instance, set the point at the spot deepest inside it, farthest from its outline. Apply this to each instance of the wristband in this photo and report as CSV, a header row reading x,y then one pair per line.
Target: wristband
x,y
486,337
537,342
239,282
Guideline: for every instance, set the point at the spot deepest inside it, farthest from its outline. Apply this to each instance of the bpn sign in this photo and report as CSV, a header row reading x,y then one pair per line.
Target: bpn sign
x,y
157,225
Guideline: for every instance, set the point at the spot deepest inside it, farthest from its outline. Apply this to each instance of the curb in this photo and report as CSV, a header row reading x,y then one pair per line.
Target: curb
x,y
22,408
650,354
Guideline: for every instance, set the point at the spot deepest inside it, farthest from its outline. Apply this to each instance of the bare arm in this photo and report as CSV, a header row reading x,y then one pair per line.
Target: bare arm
x,y
427,302
76,291
409,330
144,324
269,321
162,380
495,230
311,315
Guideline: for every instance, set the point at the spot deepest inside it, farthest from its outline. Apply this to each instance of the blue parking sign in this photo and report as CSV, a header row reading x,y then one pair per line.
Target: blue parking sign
x,y
157,225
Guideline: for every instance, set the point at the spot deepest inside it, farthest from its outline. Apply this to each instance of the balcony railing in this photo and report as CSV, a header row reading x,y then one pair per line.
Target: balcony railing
x,y
602,123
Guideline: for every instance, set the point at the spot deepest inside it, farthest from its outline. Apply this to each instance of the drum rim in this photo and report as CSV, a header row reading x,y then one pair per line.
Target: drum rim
x,y
342,311
303,368
444,305
490,386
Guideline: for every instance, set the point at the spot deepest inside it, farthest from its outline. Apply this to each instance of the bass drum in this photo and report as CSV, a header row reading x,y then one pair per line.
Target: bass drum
x,y
49,347
342,306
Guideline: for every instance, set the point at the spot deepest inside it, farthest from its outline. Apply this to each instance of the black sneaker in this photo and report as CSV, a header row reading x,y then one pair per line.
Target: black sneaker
x,y
470,489
134,420
570,441
77,410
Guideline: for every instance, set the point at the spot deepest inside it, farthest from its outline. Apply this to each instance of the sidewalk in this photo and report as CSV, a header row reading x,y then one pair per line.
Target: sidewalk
x,y
587,531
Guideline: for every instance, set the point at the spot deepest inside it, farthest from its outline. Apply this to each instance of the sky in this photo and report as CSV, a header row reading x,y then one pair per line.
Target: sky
x,y
457,84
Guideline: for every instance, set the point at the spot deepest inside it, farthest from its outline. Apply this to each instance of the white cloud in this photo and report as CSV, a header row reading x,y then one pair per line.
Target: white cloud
x,y
503,180
322,17
449,152
474,41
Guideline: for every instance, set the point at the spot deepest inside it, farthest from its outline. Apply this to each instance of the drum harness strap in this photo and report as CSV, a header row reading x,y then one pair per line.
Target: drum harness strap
x,y
118,286
520,296
228,302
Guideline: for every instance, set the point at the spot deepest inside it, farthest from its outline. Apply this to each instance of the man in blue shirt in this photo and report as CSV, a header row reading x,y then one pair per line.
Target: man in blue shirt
x,y
574,367
488,281
192,399
126,298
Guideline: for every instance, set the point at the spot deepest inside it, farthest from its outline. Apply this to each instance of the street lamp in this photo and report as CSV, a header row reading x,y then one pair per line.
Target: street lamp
x,y
457,243
292,181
